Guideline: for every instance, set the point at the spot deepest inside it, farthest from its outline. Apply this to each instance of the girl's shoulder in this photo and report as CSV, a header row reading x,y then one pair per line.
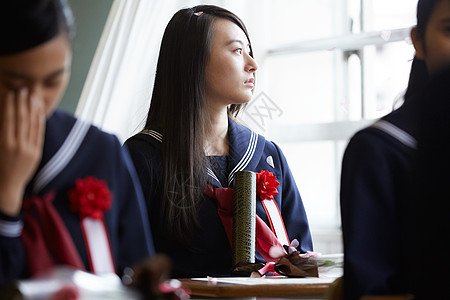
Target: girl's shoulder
x,y
62,125
145,144
145,138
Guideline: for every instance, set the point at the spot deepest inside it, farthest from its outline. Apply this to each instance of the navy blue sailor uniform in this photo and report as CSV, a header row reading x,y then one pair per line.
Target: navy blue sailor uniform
x,y
73,150
375,184
208,251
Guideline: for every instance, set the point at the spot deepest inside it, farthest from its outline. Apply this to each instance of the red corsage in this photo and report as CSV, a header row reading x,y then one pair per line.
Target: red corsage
x,y
266,185
90,197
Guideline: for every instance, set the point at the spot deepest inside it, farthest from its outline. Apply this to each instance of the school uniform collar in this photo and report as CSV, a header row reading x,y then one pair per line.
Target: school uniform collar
x,y
63,137
245,149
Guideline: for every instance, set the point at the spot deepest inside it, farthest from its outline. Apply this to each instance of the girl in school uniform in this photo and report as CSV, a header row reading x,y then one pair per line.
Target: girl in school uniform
x,y
428,228
69,194
377,174
205,76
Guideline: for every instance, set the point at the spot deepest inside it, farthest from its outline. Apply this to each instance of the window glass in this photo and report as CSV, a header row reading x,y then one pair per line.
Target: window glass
x,y
387,70
330,87
389,14
296,20
303,86
314,167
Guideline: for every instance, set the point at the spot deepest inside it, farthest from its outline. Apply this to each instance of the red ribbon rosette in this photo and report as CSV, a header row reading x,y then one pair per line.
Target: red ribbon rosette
x,y
266,185
266,188
90,197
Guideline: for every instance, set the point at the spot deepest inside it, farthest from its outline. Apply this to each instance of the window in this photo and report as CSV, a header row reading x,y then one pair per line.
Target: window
x,y
330,67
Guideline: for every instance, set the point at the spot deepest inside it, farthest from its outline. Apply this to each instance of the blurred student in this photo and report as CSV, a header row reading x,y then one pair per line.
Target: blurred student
x,y
427,228
378,168
69,194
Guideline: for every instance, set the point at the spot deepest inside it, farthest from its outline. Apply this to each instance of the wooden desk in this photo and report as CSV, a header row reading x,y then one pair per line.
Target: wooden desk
x,y
238,287
278,287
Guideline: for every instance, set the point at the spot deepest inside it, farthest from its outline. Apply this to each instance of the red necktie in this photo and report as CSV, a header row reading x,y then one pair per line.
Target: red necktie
x,y
265,238
46,240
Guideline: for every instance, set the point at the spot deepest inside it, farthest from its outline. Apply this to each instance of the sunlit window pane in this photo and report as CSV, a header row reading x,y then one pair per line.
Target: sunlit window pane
x,y
387,70
321,90
318,190
352,105
304,20
303,86
389,14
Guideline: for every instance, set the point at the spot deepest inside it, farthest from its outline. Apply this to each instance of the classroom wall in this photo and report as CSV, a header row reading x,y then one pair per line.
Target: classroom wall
x,y
90,17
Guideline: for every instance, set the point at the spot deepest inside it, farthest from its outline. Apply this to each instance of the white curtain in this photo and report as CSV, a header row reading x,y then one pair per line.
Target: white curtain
x,y
116,95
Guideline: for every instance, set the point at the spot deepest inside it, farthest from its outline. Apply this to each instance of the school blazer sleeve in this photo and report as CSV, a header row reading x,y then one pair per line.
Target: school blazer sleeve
x,y
12,256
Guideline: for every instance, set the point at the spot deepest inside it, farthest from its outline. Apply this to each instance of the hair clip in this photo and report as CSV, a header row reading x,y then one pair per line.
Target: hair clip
x,y
198,14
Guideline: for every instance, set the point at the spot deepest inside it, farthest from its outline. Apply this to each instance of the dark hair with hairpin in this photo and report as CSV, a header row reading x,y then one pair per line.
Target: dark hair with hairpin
x,y
178,110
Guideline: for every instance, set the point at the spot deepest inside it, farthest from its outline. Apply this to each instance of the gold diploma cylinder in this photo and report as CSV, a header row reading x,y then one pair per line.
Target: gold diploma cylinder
x,y
244,218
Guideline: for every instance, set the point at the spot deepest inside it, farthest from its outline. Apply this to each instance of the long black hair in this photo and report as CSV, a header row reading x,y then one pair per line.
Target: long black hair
x,y
424,10
419,76
418,79
25,24
178,111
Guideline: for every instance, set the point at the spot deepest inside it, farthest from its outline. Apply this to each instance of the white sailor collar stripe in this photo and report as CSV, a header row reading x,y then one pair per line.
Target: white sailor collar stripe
x,y
245,149
158,136
214,177
246,158
397,133
62,157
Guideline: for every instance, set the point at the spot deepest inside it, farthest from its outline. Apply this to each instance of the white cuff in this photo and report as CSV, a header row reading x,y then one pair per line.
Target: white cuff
x,y
11,229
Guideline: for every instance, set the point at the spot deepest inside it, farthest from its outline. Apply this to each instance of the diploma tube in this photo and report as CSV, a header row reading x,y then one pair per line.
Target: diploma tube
x,y
244,218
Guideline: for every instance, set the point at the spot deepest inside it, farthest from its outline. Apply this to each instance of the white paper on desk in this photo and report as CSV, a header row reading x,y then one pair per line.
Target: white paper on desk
x,y
268,280
327,274
90,286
